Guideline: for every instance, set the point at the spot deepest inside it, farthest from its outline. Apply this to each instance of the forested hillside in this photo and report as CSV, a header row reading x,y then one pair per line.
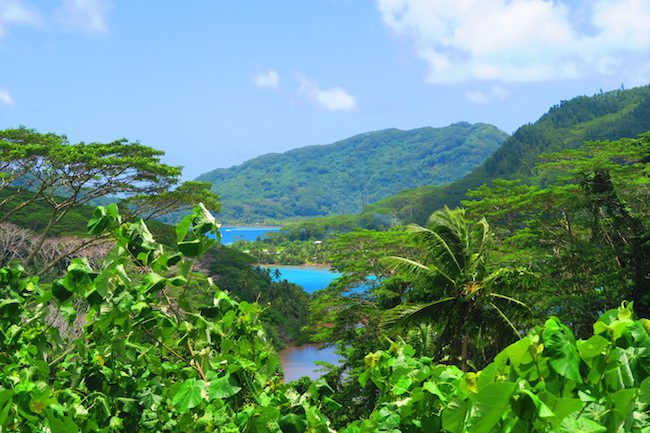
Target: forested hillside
x,y
344,176
604,116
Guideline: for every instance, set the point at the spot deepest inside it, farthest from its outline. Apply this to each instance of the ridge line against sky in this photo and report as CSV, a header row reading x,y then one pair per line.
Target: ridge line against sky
x,y
216,83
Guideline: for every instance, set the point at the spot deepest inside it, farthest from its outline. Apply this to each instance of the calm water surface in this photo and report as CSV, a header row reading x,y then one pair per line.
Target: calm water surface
x,y
299,361
230,234
311,278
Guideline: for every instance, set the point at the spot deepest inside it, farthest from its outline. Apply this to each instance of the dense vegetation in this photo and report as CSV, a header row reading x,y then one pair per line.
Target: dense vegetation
x,y
285,312
513,314
604,116
151,355
462,290
47,185
344,176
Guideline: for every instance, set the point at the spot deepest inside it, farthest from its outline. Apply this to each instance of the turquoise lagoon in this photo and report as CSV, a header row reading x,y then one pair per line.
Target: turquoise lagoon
x,y
311,278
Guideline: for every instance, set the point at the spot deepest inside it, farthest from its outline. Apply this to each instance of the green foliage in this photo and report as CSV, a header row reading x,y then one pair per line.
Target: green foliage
x,y
585,231
46,169
605,116
278,250
343,177
286,304
173,202
454,287
546,382
141,361
35,216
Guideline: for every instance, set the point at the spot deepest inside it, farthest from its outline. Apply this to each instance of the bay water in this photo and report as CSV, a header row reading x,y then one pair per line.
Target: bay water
x,y
231,234
298,361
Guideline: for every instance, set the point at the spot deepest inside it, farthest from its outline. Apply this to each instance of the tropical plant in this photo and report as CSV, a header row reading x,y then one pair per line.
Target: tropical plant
x,y
453,286
546,382
46,169
156,346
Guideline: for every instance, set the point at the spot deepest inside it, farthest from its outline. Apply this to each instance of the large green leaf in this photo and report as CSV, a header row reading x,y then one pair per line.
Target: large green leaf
x,y
454,416
490,405
402,386
187,395
581,425
103,218
644,391
560,347
293,423
60,291
561,406
223,387
592,347
153,282
60,424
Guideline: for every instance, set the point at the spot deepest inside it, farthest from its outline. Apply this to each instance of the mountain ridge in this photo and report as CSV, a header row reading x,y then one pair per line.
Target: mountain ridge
x,y
604,116
342,177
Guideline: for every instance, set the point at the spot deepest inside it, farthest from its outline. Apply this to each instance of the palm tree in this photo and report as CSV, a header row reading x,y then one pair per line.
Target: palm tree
x,y
452,285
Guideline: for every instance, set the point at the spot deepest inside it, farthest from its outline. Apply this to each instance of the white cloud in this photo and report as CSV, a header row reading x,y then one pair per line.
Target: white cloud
x,y
87,16
523,40
333,99
477,97
16,12
5,98
268,79
483,97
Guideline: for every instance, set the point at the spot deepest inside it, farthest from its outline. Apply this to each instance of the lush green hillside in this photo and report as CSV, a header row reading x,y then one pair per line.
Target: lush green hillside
x,y
344,176
604,116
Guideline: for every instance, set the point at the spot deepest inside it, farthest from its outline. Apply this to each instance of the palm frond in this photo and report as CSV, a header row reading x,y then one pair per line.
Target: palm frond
x,y
404,315
505,319
519,276
432,240
414,268
510,299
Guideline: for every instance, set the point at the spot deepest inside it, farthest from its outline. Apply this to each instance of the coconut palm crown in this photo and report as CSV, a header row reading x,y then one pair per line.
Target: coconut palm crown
x,y
453,286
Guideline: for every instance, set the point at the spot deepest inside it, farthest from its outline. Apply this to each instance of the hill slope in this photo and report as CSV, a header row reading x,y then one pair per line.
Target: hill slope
x,y
343,176
604,116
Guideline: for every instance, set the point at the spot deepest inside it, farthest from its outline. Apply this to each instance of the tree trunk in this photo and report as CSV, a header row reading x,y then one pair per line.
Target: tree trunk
x,y
463,352
54,218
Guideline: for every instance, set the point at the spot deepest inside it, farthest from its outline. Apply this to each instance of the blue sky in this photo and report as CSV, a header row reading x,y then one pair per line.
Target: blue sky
x,y
213,83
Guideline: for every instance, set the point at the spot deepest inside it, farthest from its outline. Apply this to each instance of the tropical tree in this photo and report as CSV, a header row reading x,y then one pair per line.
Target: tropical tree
x,y
48,169
179,199
454,287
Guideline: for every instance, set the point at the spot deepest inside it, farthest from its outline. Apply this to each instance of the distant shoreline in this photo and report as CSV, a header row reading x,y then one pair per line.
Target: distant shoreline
x,y
238,227
316,266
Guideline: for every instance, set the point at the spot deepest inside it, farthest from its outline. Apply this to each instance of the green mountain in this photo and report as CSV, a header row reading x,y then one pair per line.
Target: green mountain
x,y
604,116
344,176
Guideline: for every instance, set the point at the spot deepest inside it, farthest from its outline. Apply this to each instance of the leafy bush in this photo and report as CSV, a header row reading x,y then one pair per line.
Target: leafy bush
x,y
546,382
143,362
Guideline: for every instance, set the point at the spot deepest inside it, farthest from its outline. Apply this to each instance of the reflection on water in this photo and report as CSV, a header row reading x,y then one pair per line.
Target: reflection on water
x,y
301,361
